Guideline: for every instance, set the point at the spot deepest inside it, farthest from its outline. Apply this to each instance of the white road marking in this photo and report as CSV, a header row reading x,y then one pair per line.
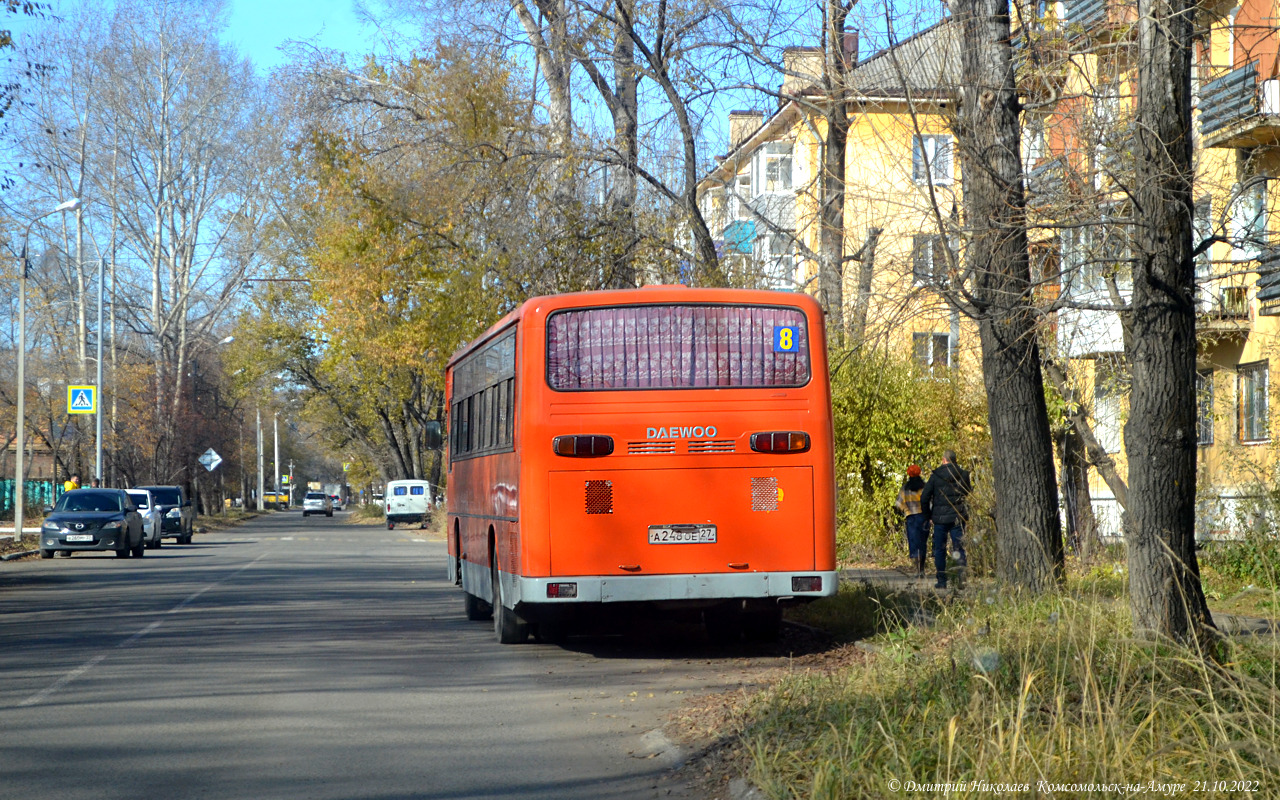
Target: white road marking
x,y
43,694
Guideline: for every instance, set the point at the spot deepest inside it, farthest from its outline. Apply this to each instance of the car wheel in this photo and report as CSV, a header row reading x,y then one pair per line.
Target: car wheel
x,y
507,624
46,554
305,515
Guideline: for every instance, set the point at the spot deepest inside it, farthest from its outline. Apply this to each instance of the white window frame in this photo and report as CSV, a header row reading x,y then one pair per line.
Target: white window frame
x,y
1204,407
932,159
925,346
1252,398
776,156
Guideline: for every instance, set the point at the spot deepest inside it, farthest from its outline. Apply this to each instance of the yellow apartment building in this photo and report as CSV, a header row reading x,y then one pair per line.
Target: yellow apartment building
x,y
902,178
1237,300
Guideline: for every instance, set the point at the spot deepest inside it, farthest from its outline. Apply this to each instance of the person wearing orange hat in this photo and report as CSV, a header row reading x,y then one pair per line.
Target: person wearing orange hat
x,y
917,521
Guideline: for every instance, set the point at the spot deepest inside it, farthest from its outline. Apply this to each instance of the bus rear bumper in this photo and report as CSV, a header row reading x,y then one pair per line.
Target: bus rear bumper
x,y
658,588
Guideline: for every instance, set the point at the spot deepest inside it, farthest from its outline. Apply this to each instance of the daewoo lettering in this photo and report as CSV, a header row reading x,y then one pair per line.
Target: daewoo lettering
x,y
696,432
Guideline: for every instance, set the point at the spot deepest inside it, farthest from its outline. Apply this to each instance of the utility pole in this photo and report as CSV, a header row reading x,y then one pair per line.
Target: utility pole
x,y
97,469
275,461
291,482
261,487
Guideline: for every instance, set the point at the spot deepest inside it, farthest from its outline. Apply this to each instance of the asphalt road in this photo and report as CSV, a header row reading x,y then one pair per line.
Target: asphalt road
x,y
292,658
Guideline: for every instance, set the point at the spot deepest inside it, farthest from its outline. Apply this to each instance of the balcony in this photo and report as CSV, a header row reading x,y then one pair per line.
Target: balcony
x,y
1269,283
1106,20
1223,311
1238,110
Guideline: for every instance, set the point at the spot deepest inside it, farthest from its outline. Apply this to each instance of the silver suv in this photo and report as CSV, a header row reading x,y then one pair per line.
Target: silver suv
x,y
177,517
317,503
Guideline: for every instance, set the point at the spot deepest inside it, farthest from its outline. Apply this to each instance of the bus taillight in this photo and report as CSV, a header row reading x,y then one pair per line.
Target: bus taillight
x,y
806,583
562,590
582,445
780,442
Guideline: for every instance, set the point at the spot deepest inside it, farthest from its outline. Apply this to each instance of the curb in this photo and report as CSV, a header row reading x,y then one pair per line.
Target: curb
x,y
19,554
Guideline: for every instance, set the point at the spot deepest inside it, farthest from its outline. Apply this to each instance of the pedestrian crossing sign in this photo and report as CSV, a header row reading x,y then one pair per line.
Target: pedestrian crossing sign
x,y
82,399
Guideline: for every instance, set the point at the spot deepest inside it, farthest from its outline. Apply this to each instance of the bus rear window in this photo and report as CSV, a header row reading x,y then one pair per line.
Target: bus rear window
x,y
677,347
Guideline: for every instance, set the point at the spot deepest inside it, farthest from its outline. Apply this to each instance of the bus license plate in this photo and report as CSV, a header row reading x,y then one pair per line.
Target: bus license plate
x,y
682,534
79,537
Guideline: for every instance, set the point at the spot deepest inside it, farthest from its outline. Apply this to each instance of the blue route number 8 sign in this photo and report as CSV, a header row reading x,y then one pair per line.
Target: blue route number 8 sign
x,y
785,339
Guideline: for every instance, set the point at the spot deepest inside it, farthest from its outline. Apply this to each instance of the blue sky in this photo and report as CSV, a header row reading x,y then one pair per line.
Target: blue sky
x,y
259,27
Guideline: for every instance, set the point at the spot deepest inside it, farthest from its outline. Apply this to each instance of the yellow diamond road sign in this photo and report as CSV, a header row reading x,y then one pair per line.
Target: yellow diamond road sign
x,y
82,399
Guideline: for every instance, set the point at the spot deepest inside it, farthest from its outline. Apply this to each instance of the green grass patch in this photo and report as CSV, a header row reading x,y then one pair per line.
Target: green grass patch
x,y
1007,690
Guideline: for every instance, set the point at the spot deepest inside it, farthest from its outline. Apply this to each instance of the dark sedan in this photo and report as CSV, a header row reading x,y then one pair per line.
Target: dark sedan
x,y
93,519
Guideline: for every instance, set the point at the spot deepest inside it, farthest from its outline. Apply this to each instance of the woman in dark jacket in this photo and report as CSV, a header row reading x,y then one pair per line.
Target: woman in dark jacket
x,y
917,521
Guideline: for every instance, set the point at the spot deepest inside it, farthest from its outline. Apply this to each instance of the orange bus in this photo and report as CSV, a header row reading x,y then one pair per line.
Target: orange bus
x,y
665,448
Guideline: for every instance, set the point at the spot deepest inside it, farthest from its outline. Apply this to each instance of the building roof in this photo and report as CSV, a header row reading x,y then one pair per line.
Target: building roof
x,y
927,63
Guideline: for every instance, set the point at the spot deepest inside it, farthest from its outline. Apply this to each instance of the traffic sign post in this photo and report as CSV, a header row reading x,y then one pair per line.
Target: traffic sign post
x,y
82,399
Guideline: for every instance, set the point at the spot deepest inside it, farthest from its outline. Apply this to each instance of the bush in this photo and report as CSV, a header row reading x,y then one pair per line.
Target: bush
x,y
888,415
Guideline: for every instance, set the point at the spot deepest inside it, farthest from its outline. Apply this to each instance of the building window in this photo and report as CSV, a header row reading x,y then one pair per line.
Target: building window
x,y
1249,220
777,167
931,349
931,160
1252,402
1204,407
742,196
928,260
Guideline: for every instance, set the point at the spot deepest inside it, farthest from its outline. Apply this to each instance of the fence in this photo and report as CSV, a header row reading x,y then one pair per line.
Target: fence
x,y
38,492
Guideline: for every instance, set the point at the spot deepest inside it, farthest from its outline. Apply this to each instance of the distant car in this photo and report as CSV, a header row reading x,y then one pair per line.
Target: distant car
x,y
177,517
152,529
93,519
337,502
317,503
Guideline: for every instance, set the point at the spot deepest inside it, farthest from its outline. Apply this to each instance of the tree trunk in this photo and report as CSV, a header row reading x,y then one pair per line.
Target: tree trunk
x,y
866,256
1082,527
626,140
1165,594
1028,536
831,242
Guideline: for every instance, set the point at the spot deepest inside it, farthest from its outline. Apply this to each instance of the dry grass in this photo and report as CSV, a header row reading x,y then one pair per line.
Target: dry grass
x,y
1034,693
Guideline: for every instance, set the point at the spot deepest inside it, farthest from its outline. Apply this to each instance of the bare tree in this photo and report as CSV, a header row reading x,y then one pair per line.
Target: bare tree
x,y
1160,437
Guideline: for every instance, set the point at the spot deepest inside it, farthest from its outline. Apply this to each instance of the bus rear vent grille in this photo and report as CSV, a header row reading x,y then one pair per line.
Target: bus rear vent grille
x,y
599,497
764,494
650,448
712,446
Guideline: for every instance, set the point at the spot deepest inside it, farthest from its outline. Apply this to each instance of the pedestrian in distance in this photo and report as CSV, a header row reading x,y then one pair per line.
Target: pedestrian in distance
x,y
72,483
917,523
96,483
945,500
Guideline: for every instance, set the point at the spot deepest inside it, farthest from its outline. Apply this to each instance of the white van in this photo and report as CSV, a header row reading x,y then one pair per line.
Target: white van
x,y
407,501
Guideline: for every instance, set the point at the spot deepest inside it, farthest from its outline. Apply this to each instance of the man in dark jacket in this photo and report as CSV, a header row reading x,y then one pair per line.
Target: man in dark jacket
x,y
944,499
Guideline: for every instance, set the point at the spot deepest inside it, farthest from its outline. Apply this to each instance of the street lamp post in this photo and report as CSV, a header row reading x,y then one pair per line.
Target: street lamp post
x,y
275,460
19,479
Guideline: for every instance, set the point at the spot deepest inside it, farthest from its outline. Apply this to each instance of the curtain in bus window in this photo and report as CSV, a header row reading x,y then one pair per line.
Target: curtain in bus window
x,y
664,347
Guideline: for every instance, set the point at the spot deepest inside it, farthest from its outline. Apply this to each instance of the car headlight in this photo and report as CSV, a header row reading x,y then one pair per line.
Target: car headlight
x,y
113,525
174,513
50,526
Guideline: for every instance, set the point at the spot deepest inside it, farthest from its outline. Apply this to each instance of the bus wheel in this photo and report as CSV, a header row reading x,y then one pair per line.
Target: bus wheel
x,y
476,608
507,624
